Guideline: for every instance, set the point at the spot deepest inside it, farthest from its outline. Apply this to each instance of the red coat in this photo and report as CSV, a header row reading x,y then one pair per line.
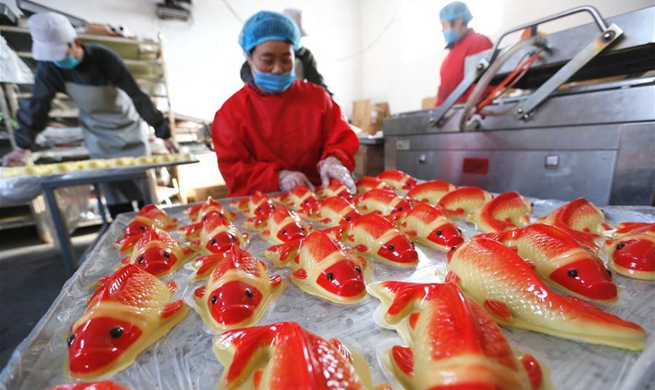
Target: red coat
x,y
256,135
452,69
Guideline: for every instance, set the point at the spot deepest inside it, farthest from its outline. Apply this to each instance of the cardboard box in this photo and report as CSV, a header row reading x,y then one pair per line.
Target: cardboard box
x,y
368,116
369,160
201,194
428,102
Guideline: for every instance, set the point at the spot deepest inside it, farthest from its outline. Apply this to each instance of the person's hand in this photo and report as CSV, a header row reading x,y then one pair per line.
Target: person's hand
x,y
331,167
171,145
289,180
17,157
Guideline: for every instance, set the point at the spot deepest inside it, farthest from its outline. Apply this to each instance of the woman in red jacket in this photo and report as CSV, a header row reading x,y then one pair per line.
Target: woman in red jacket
x,y
278,132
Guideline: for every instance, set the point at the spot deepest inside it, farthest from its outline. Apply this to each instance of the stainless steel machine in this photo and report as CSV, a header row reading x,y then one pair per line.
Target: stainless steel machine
x,y
580,121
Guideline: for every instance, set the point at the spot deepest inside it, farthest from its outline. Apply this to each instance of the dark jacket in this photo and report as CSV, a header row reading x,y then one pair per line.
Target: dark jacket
x,y
99,67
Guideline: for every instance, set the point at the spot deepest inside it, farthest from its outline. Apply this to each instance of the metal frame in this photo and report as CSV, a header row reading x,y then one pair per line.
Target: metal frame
x,y
608,36
63,237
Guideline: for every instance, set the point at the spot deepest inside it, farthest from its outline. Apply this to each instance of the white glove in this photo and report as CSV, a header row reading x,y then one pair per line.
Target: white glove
x,y
331,167
17,157
289,180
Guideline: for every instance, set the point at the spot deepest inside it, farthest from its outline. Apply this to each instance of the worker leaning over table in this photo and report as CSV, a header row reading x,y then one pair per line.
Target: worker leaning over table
x,y
111,104
278,132
462,42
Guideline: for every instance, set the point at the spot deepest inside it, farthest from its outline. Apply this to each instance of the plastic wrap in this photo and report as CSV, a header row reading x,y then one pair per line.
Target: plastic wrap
x,y
12,68
183,359
72,202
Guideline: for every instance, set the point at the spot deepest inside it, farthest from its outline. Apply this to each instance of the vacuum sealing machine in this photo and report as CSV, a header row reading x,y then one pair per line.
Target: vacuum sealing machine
x,y
569,114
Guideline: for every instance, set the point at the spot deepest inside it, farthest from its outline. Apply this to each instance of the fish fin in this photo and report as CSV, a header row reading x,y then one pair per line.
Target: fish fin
x,y
172,286
200,292
263,265
360,248
171,309
191,230
403,358
530,264
412,233
300,274
265,233
195,244
403,224
127,243
186,251
205,264
413,319
514,248
500,309
125,260
342,349
276,281
257,378
533,369
193,210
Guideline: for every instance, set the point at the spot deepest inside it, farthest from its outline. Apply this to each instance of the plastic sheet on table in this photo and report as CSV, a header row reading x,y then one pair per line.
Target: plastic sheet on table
x,y
184,359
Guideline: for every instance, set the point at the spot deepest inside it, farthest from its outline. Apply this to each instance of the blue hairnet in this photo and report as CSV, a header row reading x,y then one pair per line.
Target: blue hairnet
x,y
268,26
454,10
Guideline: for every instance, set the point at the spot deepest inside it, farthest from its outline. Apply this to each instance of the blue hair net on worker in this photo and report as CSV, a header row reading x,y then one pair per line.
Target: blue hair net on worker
x,y
268,26
454,10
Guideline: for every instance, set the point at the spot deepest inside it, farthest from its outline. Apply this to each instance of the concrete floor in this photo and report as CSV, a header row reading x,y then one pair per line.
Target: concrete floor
x,y
31,277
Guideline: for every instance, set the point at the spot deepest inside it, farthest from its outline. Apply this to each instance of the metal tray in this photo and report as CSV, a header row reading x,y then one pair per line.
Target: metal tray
x,y
183,359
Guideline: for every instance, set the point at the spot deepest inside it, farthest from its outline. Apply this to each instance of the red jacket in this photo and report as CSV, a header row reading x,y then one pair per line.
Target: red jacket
x,y
256,135
452,69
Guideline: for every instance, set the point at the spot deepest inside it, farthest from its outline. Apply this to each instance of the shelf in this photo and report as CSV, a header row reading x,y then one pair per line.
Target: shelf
x,y
87,37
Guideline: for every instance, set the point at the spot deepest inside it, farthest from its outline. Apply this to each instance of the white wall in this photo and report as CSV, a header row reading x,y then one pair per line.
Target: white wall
x,y
385,50
203,57
403,67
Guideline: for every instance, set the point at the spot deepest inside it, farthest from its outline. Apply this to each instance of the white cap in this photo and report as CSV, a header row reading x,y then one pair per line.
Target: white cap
x,y
296,15
51,34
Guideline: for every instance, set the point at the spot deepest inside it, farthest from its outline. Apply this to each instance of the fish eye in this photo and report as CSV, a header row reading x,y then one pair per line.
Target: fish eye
x,y
621,245
249,293
439,232
214,299
358,269
284,231
167,255
453,248
302,228
573,273
609,272
390,247
347,219
70,339
142,227
400,208
116,332
213,241
140,260
259,209
330,276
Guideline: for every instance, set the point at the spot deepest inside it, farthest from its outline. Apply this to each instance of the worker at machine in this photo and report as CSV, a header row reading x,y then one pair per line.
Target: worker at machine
x,y
110,102
462,42
278,132
305,67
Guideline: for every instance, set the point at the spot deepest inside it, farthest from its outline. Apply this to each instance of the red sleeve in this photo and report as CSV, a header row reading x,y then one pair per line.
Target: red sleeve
x,y
242,173
481,44
341,142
